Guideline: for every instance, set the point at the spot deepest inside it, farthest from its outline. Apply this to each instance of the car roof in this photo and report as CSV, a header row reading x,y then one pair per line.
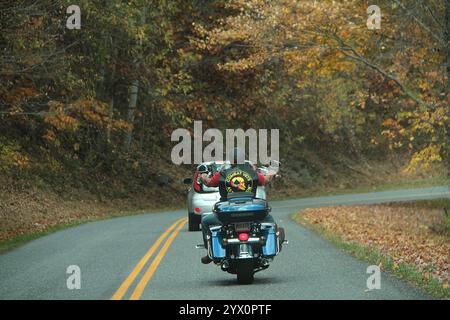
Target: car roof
x,y
220,162
214,162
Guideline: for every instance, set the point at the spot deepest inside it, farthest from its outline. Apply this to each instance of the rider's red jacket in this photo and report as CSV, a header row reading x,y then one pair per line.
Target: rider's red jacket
x,y
216,178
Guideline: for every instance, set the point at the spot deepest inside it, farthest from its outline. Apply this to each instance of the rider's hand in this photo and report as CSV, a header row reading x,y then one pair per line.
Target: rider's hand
x,y
204,177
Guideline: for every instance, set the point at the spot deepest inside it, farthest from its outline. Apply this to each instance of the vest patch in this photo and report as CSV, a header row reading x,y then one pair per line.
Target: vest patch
x,y
238,181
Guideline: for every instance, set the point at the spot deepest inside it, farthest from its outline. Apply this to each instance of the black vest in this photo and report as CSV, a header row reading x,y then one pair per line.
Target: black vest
x,y
240,180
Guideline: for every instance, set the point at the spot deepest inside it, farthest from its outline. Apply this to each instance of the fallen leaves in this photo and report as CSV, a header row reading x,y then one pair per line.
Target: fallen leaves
x,y
407,234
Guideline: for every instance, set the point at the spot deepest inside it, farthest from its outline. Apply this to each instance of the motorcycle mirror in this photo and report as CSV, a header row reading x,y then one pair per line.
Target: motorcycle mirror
x,y
275,163
263,170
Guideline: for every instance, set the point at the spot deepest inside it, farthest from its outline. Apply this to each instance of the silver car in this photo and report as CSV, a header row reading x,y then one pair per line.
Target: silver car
x,y
201,199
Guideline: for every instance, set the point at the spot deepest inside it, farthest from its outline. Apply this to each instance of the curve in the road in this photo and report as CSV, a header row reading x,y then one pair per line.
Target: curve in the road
x,y
115,260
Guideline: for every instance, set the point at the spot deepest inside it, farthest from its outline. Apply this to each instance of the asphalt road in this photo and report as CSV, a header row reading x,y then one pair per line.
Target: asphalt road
x,y
137,257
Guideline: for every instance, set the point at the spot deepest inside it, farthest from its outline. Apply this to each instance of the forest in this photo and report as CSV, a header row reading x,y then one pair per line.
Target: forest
x,y
93,108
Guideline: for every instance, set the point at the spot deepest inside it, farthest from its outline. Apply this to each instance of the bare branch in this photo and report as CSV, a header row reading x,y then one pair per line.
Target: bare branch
x,y
419,22
356,55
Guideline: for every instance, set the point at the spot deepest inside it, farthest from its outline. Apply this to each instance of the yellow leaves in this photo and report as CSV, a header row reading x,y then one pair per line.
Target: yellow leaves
x,y
49,135
301,84
82,114
11,157
84,105
374,141
21,94
245,64
294,62
232,30
59,119
418,56
120,125
433,75
424,158
344,66
390,123
20,160
140,33
424,85
440,116
70,118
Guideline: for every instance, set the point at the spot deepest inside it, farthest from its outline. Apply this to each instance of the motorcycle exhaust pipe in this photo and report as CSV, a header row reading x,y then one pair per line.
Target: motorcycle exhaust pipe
x,y
225,265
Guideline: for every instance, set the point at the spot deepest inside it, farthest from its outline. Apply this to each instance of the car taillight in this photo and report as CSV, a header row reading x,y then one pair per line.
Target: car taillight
x,y
198,210
243,236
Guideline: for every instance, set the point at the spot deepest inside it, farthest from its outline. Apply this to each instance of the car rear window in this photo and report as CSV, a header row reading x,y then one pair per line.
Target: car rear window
x,y
201,188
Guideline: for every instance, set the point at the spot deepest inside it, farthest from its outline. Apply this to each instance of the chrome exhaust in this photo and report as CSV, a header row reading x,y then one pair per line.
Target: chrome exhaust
x,y
225,265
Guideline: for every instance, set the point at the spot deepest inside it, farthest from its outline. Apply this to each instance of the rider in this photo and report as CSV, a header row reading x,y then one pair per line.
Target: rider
x,y
240,179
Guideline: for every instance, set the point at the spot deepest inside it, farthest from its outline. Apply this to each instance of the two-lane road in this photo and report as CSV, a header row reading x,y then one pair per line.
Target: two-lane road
x,y
152,256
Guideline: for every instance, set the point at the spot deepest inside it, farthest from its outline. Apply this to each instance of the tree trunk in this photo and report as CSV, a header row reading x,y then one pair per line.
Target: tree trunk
x,y
111,90
447,38
111,115
447,49
134,91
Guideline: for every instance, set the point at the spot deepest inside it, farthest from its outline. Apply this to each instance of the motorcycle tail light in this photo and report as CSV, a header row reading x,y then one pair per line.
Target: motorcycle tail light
x,y
243,236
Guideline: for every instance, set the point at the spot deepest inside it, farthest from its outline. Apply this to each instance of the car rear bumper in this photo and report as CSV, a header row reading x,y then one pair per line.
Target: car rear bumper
x,y
203,203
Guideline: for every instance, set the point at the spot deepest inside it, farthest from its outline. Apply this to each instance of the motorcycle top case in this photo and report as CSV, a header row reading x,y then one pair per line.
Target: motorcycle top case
x,y
241,210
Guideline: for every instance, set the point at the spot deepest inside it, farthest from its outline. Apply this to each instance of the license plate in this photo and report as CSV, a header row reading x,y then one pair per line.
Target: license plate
x,y
242,226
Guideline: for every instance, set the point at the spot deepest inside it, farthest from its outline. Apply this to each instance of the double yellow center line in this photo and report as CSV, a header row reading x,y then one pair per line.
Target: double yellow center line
x,y
120,293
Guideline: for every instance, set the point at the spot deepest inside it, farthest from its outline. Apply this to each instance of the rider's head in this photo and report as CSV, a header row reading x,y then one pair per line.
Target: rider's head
x,y
236,156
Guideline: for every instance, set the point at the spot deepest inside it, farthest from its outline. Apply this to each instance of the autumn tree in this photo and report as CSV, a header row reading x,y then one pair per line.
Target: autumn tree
x,y
345,78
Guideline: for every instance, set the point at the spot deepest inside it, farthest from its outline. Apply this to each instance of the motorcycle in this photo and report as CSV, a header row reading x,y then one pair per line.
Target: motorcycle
x,y
244,244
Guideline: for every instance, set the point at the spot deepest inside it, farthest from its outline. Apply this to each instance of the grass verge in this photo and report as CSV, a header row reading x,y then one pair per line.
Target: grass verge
x,y
404,271
426,182
10,244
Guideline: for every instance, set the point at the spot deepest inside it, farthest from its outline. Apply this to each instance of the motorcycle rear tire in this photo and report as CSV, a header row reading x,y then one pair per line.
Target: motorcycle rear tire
x,y
245,271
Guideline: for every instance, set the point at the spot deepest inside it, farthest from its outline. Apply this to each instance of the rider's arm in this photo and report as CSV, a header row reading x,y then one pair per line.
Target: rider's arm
x,y
210,182
262,179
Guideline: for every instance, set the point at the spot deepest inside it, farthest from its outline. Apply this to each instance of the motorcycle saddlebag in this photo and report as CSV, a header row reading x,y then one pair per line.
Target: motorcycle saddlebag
x,y
270,249
241,210
217,251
